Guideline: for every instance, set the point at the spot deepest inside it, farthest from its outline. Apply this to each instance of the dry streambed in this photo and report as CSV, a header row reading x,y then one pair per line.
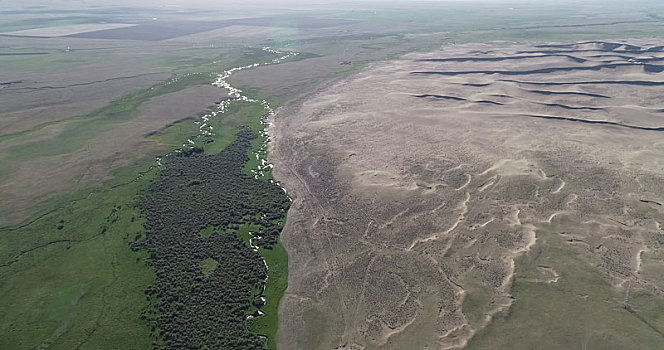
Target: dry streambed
x,y
421,183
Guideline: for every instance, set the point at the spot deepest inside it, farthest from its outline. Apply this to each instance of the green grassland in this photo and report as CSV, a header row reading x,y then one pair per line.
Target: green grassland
x,y
69,280
98,295
28,21
277,282
173,135
50,61
541,22
81,130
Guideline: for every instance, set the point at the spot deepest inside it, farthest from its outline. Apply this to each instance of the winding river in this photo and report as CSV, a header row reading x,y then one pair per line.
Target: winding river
x,y
205,130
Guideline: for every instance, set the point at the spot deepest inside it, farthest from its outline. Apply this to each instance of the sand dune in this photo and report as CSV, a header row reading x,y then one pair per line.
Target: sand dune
x,y
463,161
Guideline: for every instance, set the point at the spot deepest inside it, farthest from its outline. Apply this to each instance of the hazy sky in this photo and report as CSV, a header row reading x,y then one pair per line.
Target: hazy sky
x,y
225,3
234,5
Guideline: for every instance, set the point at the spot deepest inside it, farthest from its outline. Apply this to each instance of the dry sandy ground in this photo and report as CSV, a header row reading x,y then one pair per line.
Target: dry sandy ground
x,y
418,179
35,180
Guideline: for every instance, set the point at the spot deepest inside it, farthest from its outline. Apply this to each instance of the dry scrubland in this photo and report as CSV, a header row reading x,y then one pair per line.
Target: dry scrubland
x,y
500,193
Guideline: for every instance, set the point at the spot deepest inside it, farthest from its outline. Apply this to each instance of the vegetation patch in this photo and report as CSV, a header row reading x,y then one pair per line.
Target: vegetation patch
x,y
208,266
277,259
195,310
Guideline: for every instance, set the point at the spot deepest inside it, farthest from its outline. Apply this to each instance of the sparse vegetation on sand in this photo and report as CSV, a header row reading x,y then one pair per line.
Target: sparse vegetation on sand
x,y
533,228
579,306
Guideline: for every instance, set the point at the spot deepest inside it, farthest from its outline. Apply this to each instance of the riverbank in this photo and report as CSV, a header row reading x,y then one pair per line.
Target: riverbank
x,y
236,191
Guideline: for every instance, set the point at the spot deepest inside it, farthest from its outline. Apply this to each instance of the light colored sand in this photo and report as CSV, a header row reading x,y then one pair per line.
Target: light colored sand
x,y
442,194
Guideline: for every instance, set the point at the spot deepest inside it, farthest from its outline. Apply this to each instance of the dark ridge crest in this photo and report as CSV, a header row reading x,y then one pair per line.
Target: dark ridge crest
x,y
647,67
598,122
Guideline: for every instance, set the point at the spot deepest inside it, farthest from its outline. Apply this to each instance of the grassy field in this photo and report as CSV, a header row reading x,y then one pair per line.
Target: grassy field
x,y
30,23
86,127
69,280
277,282
52,60
70,136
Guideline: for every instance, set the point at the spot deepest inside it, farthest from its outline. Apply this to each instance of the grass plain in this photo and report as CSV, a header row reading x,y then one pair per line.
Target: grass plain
x,y
68,279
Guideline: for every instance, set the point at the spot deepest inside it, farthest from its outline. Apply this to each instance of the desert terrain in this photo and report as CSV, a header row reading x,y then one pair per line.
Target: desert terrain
x,y
478,196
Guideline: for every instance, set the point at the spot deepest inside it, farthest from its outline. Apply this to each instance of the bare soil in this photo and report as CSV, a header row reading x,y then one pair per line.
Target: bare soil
x,y
420,183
